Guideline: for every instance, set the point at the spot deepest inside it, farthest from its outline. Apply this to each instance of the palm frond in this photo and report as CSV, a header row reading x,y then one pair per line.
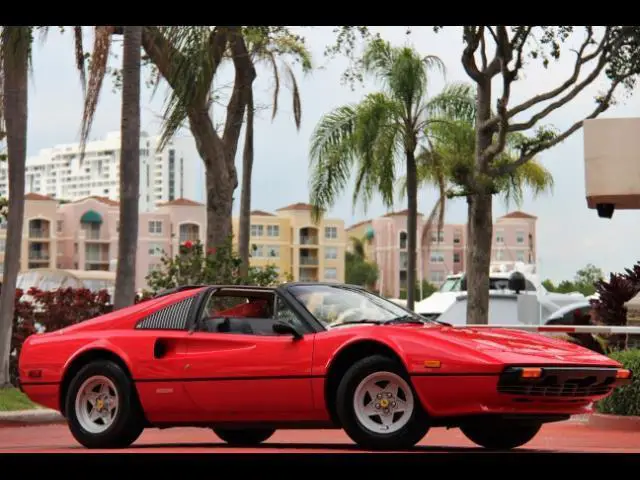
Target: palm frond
x,y
97,72
79,54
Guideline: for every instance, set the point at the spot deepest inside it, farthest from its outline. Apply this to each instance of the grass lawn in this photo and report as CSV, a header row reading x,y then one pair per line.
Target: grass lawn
x,y
12,399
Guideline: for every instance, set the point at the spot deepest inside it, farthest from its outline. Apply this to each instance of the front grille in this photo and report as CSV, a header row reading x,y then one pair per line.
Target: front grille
x,y
559,382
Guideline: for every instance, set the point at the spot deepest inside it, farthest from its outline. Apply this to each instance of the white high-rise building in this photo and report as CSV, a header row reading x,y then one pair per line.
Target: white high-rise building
x,y
175,172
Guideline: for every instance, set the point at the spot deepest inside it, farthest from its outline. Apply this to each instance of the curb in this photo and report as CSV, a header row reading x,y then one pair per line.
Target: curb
x,y
38,416
614,422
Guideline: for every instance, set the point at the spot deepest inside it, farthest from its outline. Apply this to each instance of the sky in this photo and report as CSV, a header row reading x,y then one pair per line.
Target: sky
x,y
569,234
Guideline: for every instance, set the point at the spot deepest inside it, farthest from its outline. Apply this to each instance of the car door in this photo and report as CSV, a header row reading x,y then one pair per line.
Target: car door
x,y
256,375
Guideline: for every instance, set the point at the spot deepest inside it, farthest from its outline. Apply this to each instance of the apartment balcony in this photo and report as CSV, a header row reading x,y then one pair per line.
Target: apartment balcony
x,y
39,233
39,256
309,236
309,261
306,276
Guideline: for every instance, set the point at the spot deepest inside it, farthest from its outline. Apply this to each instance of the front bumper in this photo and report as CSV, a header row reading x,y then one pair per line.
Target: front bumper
x,y
556,391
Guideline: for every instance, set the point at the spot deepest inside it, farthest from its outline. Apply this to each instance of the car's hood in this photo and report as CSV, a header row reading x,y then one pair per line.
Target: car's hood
x,y
514,346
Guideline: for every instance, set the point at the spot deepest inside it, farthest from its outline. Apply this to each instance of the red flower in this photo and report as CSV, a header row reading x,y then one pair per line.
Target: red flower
x,y
188,244
211,251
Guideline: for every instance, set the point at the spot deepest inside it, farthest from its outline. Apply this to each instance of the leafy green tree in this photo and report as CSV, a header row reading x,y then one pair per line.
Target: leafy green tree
x,y
358,270
586,279
195,265
377,136
494,57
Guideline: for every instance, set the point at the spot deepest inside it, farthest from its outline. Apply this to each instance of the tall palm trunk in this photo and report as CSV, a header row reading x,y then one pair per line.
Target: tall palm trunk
x,y
412,225
16,44
245,197
129,168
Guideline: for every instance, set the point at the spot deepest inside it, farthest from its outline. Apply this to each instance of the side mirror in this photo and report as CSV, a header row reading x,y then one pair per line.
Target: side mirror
x,y
286,329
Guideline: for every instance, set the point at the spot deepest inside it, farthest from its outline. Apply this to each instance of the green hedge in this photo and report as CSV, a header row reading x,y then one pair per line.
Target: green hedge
x,y
624,400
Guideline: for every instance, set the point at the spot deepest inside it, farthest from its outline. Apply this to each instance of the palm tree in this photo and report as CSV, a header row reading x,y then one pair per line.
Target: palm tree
x,y
268,50
15,53
378,135
450,153
129,168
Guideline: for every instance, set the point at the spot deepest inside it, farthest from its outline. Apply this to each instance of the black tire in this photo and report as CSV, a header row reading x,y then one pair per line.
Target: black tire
x,y
500,435
415,428
128,423
244,437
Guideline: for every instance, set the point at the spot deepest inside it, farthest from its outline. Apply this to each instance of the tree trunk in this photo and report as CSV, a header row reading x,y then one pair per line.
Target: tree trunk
x,y
479,234
245,197
412,226
480,219
16,43
129,169
221,179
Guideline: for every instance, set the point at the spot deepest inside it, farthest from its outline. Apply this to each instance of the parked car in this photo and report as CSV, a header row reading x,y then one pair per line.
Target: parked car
x,y
248,360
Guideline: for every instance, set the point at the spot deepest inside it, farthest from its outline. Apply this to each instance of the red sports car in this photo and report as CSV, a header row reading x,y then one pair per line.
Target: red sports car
x,y
245,361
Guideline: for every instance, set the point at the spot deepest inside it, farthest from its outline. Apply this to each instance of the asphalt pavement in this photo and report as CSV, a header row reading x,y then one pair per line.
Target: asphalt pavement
x,y
571,436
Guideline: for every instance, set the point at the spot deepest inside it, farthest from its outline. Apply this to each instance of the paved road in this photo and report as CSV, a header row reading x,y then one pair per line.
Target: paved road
x,y
569,436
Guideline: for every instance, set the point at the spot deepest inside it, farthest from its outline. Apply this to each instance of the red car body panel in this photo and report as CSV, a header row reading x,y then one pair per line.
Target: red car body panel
x,y
203,377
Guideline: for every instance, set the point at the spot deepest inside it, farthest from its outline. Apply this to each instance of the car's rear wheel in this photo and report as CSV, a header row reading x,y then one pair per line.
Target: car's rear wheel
x,y
378,407
501,435
245,436
102,407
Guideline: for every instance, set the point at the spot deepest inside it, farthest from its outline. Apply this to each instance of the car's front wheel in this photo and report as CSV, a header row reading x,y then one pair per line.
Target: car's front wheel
x,y
102,408
378,407
501,435
244,437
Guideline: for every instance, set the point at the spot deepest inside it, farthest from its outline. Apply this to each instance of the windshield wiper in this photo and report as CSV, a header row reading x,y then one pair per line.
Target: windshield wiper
x,y
353,322
403,319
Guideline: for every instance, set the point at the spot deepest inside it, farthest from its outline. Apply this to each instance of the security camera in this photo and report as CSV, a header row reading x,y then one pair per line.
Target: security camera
x,y
605,210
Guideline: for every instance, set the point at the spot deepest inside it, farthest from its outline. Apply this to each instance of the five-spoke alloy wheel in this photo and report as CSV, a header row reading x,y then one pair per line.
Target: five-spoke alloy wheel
x,y
377,405
102,407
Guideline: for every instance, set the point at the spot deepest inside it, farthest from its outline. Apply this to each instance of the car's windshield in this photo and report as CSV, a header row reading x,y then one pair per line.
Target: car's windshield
x,y
334,305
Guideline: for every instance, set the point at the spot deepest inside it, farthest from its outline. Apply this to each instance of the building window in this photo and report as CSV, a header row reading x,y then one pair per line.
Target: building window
x,y
499,236
3,245
436,257
439,238
331,232
404,260
456,257
499,254
520,256
403,240
457,237
155,249
330,273
520,237
153,267
273,251
257,230
330,253
273,230
59,226
257,251
155,227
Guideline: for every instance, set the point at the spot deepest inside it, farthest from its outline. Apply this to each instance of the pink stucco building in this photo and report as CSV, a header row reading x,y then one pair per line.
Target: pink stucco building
x,y
83,235
439,253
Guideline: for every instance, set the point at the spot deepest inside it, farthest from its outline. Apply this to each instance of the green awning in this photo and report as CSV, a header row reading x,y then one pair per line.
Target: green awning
x,y
91,217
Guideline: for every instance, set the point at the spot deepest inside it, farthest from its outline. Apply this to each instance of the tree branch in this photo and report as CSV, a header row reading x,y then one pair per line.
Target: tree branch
x,y
472,39
483,49
580,62
245,74
161,52
530,151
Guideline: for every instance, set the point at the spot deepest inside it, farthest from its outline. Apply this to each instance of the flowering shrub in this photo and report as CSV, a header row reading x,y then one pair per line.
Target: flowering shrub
x,y
193,266
50,311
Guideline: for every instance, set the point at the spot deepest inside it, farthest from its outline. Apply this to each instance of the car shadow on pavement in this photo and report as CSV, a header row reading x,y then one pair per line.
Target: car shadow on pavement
x,y
321,447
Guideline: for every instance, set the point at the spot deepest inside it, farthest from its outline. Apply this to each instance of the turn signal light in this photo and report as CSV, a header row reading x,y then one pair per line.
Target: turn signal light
x,y
530,372
623,373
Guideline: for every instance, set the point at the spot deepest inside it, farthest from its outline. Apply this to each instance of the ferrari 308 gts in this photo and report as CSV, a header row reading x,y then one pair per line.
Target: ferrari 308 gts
x,y
245,361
